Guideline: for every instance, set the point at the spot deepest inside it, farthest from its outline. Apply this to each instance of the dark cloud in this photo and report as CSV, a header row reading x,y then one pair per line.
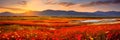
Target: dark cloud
x,y
107,2
24,3
62,3
66,3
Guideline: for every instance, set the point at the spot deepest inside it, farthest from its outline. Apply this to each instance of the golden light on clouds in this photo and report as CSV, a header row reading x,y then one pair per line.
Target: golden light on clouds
x,y
36,5
13,11
41,5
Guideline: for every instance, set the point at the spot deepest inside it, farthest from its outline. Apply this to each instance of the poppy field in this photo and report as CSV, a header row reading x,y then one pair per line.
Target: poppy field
x,y
60,29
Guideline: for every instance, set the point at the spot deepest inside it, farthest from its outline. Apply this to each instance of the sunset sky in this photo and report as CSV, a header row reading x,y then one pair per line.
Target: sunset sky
x,y
19,6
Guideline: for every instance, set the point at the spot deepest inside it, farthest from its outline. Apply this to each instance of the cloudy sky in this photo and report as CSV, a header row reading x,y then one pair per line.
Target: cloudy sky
x,y
66,5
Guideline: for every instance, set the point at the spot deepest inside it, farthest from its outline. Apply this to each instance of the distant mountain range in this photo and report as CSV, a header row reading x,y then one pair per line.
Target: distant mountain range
x,y
65,13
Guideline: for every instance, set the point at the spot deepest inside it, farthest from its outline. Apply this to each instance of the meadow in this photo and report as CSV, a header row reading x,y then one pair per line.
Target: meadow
x,y
59,28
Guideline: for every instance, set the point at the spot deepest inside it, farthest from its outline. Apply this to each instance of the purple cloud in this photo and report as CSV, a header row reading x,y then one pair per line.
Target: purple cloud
x,y
107,2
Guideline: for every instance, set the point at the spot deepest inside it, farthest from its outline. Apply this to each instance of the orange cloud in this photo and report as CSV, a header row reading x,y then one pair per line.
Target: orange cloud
x,y
14,10
11,8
